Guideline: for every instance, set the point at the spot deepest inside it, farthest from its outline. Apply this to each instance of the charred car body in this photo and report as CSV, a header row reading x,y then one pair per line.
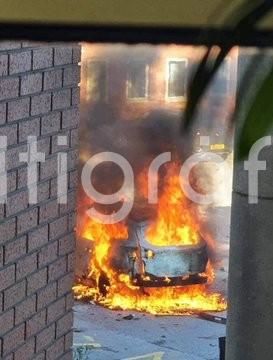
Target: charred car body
x,y
150,265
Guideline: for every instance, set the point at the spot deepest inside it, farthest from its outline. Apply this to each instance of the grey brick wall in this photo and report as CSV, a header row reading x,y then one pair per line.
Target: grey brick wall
x,y
39,95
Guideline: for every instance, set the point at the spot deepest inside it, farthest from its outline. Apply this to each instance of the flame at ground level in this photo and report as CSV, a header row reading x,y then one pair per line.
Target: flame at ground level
x,y
160,301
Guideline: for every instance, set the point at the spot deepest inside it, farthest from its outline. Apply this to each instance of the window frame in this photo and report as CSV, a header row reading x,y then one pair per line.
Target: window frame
x,y
167,86
147,83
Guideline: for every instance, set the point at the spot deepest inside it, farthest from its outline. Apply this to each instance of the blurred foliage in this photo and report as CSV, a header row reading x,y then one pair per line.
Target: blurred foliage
x,y
258,119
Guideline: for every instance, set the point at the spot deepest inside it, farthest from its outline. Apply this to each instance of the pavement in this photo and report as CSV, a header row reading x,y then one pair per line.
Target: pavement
x,y
115,338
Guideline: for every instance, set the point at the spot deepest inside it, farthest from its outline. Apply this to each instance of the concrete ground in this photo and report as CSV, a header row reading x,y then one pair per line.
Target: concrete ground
x,y
115,338
110,336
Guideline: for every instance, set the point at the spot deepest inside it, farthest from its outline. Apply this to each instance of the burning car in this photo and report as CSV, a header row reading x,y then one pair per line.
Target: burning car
x,y
150,265
158,264
163,251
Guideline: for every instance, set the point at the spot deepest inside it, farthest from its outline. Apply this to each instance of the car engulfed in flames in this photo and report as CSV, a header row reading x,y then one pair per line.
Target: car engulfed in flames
x,y
158,265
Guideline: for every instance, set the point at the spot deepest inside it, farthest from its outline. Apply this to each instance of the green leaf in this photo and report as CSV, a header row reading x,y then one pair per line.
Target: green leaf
x,y
258,119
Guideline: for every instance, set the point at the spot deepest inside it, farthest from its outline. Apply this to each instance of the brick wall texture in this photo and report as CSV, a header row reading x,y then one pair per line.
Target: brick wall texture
x,y
39,95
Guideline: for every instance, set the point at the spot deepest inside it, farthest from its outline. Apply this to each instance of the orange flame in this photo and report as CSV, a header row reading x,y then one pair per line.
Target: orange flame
x,y
175,224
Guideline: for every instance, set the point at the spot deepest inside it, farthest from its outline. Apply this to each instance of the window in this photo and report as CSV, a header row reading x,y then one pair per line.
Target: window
x,y
177,78
220,84
137,82
96,80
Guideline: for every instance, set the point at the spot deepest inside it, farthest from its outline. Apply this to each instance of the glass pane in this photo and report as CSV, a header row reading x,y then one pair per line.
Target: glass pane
x,y
177,78
137,80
